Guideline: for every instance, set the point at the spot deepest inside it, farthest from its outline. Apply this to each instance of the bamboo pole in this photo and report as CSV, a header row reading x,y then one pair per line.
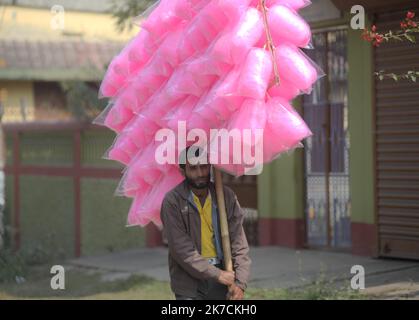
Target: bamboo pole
x,y
225,236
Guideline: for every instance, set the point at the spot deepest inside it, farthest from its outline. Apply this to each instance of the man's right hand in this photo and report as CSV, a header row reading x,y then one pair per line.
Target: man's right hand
x,y
226,277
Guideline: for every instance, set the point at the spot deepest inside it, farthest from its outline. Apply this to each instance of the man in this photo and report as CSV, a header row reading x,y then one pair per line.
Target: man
x,y
191,226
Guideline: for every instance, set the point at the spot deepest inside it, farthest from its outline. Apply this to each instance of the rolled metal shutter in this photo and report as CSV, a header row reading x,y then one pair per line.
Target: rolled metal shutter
x,y
397,145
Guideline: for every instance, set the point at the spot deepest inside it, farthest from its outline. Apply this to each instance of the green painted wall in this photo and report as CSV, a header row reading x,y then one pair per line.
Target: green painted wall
x,y
47,215
95,143
360,128
104,219
281,185
47,148
8,210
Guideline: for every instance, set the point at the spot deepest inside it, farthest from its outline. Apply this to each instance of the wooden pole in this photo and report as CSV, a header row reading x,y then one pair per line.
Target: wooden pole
x,y
225,236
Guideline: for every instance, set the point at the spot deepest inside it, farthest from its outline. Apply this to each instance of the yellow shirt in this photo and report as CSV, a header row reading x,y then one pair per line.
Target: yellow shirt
x,y
207,244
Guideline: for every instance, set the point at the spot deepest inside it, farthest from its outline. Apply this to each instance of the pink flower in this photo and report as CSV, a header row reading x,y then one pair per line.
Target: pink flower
x,y
410,15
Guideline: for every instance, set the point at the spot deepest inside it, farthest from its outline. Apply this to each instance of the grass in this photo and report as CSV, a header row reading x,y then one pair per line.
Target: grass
x,y
84,284
88,284
310,292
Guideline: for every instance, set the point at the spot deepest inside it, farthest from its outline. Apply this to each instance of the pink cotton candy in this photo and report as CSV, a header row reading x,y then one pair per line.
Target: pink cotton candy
x,y
119,155
227,91
228,12
284,90
204,63
208,114
162,19
197,36
140,50
112,83
233,47
255,75
150,208
288,27
168,51
168,182
251,116
197,122
188,9
132,181
220,102
249,122
133,215
121,65
123,150
118,117
127,99
201,74
284,128
141,130
144,166
181,113
158,66
126,64
207,70
132,188
295,67
150,79
155,109
184,82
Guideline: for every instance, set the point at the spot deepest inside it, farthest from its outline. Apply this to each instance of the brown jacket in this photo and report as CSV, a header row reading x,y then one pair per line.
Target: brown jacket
x,y
182,228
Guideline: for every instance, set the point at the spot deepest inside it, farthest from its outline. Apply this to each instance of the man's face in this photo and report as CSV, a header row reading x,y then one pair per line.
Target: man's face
x,y
197,175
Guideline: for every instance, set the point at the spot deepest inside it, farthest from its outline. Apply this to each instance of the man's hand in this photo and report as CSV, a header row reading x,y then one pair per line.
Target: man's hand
x,y
226,277
235,293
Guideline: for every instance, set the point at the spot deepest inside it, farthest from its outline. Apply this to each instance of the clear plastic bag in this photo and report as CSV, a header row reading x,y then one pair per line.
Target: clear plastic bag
x,y
147,208
122,150
114,117
284,130
182,112
284,90
245,143
297,68
255,75
233,47
162,18
287,26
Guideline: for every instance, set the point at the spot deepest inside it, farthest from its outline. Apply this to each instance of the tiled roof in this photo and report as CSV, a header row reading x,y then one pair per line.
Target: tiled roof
x,y
81,5
55,60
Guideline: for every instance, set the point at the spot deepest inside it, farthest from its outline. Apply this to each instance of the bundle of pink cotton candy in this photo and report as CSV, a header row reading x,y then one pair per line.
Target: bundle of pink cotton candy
x,y
205,65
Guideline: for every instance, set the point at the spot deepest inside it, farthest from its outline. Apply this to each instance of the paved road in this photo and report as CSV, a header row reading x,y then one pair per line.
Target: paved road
x,y
272,267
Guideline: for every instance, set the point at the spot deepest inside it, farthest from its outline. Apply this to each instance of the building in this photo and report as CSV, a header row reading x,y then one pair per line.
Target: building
x,y
353,187
44,43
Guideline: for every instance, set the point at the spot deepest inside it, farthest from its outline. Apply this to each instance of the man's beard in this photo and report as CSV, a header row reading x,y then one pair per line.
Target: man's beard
x,y
200,185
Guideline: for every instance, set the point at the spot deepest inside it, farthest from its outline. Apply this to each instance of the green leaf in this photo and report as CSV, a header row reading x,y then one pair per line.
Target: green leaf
x,y
394,76
410,38
413,78
397,38
381,77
